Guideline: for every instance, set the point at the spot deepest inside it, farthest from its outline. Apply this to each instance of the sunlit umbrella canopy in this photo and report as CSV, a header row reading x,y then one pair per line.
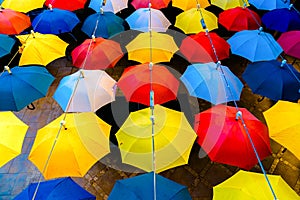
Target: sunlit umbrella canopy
x,y
228,4
6,44
290,42
188,4
173,138
162,49
66,5
41,49
283,121
253,186
12,134
114,6
20,6
156,4
269,5
78,140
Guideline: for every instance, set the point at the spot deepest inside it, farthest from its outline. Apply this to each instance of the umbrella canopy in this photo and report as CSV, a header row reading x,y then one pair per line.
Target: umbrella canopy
x,y
269,5
135,84
207,81
21,86
41,49
273,79
218,128
66,5
173,139
12,134
98,53
141,187
114,6
140,20
189,21
156,4
78,140
55,21
199,47
188,4
283,122
162,49
13,22
20,6
228,4
108,24
239,18
282,20
255,45
253,186
6,44
290,42
58,189
85,91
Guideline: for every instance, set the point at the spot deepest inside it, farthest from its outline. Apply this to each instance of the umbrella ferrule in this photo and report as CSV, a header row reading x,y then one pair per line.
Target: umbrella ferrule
x,y
203,23
218,64
50,7
93,38
291,6
81,74
238,115
149,5
32,33
283,62
244,5
198,6
7,69
63,124
260,30
151,98
101,11
150,66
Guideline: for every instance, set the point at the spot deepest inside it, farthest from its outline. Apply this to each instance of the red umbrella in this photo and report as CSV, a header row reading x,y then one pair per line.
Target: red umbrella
x,y
238,19
98,53
66,5
290,43
156,4
13,22
223,137
135,84
198,48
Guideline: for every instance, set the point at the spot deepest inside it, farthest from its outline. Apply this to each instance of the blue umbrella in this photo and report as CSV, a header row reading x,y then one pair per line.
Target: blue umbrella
x,y
255,45
273,79
58,189
6,44
107,24
21,86
114,6
269,5
212,82
282,20
55,21
141,187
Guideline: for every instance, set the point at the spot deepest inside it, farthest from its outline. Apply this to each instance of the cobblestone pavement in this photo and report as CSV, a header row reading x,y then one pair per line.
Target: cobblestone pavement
x,y
200,175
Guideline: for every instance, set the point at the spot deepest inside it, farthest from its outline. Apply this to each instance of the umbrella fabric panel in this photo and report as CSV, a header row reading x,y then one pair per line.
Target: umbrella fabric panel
x,y
13,22
290,42
21,7
270,5
6,44
66,5
110,5
188,4
228,4
156,4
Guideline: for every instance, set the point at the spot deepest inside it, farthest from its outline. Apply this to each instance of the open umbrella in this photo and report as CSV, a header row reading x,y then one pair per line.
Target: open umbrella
x,y
269,5
173,139
20,6
190,21
41,49
66,5
141,187
21,86
114,6
188,4
156,4
222,136
163,47
140,20
273,79
228,4
70,145
12,133
85,91
255,45
13,22
250,185
290,42
6,44
58,189
97,53
135,84
199,47
283,122
212,82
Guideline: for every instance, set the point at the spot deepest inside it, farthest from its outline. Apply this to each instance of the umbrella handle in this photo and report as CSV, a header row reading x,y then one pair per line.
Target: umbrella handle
x,y
31,106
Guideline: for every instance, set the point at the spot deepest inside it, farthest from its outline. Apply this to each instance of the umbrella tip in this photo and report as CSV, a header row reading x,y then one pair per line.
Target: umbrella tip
x,y
93,38
260,29
283,62
50,6
218,64
149,5
238,115
7,69
32,33
101,11
63,124
291,6
198,6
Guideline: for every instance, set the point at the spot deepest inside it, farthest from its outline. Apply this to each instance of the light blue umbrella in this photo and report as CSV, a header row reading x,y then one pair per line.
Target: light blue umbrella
x,y
255,45
212,82
269,5
110,5
6,44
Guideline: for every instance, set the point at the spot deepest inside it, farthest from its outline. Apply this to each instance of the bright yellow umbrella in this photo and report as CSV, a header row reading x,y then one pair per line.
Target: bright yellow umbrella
x,y
12,133
227,4
252,186
82,139
188,4
23,5
173,139
163,48
41,49
190,21
283,120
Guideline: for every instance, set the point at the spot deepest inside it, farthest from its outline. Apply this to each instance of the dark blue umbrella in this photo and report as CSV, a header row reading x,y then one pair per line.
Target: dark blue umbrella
x,y
141,188
107,24
282,20
55,21
58,189
273,79
6,44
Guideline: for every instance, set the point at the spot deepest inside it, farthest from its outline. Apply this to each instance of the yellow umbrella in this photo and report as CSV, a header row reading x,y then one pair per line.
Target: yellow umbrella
x,y
188,4
40,49
23,5
283,120
227,4
190,21
12,133
163,48
174,138
253,186
82,139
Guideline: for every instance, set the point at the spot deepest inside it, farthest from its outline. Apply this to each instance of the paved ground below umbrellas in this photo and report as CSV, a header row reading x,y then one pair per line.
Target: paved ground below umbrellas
x,y
200,175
